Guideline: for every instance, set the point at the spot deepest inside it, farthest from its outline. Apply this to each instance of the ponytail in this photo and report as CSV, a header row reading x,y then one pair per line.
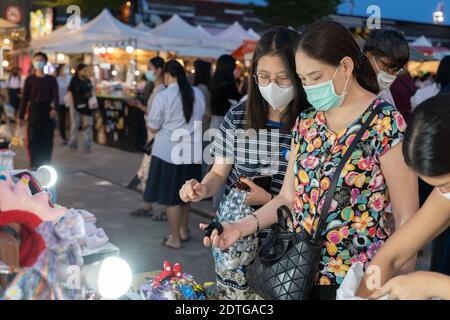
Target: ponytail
x,y
175,69
365,75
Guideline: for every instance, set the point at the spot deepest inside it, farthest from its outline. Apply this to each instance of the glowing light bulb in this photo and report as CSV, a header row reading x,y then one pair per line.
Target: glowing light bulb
x,y
114,278
129,49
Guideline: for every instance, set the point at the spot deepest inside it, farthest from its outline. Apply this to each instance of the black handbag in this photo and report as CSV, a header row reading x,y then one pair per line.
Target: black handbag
x,y
148,147
288,262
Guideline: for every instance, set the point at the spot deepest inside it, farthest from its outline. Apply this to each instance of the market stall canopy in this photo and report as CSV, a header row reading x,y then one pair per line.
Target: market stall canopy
x,y
252,33
234,33
204,31
245,50
61,33
422,41
102,29
185,34
142,27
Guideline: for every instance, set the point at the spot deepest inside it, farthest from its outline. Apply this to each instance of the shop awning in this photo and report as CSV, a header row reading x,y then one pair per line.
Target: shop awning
x,y
247,47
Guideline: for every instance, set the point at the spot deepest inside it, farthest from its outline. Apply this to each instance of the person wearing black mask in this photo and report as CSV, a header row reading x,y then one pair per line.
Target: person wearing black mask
x,y
39,104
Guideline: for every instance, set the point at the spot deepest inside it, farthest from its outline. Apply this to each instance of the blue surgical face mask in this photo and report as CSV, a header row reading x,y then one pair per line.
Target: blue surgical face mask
x,y
39,65
323,97
150,75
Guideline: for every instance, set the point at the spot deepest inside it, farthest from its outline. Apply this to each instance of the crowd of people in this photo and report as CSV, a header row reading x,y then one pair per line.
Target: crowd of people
x,y
304,101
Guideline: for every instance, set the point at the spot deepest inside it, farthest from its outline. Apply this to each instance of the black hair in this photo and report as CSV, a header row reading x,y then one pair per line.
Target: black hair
x,y
176,70
80,67
443,72
202,72
426,146
330,42
59,68
42,54
390,44
157,62
281,42
224,71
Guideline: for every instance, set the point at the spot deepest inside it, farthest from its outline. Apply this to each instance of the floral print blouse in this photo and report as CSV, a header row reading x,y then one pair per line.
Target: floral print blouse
x,y
356,225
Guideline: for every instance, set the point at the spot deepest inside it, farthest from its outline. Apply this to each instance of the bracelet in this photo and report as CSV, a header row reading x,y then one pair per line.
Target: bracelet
x,y
257,221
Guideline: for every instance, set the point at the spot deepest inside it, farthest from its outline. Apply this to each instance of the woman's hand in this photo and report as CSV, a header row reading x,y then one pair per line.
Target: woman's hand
x,y
257,196
231,233
414,286
193,191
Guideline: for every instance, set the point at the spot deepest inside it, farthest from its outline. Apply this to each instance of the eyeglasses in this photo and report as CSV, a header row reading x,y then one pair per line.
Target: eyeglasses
x,y
387,67
264,80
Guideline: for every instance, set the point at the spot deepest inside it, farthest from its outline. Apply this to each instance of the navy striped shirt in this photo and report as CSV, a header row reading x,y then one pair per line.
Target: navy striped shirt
x,y
252,153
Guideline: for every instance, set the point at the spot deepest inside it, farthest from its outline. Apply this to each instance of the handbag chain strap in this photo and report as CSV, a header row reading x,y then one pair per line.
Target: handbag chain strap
x,y
334,183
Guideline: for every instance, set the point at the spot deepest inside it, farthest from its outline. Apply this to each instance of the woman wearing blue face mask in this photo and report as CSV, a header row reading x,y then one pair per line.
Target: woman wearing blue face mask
x,y
341,86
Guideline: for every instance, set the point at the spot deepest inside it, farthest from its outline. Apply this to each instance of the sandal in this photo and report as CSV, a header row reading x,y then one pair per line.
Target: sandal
x,y
160,217
141,212
188,236
164,243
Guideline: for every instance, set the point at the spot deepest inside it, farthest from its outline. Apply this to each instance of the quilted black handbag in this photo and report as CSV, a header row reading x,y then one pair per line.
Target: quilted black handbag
x,y
288,262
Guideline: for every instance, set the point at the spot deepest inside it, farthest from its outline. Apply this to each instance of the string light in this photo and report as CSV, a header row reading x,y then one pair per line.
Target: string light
x,y
129,49
6,41
5,63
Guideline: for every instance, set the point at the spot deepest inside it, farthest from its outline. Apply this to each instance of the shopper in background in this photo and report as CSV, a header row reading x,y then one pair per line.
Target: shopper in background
x,y
63,78
81,90
441,83
202,80
14,85
275,100
402,90
176,112
154,75
39,105
388,53
342,88
224,93
426,150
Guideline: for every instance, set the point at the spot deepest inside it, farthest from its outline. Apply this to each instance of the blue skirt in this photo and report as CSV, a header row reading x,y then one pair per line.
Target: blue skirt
x,y
166,179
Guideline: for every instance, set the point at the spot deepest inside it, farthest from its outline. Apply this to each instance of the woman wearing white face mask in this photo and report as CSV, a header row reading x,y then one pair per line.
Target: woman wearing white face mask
x,y
341,86
275,99
427,152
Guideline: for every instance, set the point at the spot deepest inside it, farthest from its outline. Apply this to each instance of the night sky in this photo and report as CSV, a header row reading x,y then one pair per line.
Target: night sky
x,y
410,10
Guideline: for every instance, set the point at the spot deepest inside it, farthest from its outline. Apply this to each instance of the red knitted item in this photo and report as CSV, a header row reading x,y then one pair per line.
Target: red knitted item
x,y
32,244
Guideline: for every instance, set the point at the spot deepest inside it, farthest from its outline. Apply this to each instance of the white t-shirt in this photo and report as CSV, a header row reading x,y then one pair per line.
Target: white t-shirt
x,y
424,94
176,142
63,84
14,82
386,95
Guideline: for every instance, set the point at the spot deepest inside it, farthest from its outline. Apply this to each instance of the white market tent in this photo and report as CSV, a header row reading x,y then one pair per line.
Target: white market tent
x,y
252,33
204,32
184,33
102,29
235,35
142,27
422,41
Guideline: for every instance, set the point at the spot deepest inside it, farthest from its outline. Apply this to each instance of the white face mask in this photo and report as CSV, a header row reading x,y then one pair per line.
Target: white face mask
x,y
444,194
384,79
276,96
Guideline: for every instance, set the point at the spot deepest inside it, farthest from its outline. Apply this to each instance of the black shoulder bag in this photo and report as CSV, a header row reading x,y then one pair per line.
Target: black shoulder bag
x,y
288,262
